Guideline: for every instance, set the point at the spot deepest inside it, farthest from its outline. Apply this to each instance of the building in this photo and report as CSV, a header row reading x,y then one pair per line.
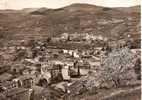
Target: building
x,y
51,73
65,73
18,94
7,85
25,81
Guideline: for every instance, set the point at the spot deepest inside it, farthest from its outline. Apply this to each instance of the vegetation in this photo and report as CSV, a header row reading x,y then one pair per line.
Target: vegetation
x,y
117,66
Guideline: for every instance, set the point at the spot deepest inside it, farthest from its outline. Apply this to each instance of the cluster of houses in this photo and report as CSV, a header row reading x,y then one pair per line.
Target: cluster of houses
x,y
34,69
77,37
31,66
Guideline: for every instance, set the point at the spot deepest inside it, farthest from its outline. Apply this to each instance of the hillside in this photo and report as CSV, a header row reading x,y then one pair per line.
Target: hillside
x,y
80,18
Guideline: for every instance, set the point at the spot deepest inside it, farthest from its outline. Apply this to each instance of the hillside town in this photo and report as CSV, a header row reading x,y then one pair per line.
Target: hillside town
x,y
60,68
77,52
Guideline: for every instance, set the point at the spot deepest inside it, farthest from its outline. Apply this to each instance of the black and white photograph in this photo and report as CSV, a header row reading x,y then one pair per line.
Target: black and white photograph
x,y
70,50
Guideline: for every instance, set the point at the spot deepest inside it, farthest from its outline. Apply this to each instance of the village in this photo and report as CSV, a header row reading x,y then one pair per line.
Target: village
x,y
54,69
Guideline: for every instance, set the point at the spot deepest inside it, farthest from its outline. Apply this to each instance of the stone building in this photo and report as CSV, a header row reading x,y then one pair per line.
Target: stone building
x,y
26,81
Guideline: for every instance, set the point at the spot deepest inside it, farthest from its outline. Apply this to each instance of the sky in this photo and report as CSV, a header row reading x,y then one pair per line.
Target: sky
x,y
20,4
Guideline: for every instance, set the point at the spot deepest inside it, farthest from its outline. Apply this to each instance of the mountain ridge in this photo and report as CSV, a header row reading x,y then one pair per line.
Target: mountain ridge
x,y
80,18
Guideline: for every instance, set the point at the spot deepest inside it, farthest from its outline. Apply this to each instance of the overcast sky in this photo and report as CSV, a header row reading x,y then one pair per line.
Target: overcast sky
x,y
19,4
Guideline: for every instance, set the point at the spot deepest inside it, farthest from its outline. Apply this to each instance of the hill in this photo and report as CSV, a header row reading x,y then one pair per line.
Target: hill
x,y
80,18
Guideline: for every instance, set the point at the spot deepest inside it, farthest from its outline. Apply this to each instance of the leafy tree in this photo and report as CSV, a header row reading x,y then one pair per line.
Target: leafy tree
x,y
117,66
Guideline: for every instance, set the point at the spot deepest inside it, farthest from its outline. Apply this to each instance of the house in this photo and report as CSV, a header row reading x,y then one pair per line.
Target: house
x,y
25,81
74,72
64,36
70,52
56,73
65,51
8,85
52,73
75,54
18,94
75,37
56,39
65,73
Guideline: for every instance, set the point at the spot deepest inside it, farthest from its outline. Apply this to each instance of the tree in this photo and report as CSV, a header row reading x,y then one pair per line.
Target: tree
x,y
137,67
117,66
